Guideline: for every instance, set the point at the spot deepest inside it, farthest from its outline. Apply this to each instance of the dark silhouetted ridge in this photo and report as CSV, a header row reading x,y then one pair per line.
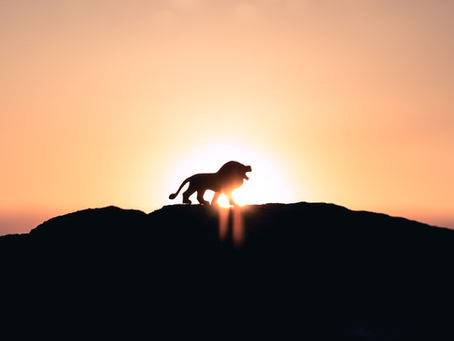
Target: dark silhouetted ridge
x,y
311,270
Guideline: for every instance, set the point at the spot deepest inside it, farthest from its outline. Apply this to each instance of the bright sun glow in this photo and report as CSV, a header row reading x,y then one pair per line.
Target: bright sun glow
x,y
266,182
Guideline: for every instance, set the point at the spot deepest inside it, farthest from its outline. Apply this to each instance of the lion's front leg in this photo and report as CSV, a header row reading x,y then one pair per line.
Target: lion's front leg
x,y
230,197
214,201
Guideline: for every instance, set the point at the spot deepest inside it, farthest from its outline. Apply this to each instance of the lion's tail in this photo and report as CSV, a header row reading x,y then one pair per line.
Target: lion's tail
x,y
174,195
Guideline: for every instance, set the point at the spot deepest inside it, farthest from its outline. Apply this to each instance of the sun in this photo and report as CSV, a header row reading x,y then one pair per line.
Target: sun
x,y
266,181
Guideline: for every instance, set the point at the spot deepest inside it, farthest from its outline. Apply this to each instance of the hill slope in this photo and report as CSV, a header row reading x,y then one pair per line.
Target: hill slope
x,y
303,269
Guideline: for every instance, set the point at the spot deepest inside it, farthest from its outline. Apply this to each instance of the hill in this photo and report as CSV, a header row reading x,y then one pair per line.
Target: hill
x,y
302,270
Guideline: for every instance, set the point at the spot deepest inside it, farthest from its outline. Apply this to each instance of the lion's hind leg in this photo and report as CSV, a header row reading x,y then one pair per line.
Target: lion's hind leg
x,y
187,194
200,199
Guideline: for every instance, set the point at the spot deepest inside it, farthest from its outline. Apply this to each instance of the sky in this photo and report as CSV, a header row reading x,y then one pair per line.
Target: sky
x,y
115,102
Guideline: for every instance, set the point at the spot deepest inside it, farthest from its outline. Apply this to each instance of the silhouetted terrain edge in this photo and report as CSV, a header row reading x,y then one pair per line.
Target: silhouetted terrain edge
x,y
305,270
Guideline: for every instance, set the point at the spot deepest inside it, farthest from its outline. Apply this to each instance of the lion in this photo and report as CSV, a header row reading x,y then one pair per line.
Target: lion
x,y
229,177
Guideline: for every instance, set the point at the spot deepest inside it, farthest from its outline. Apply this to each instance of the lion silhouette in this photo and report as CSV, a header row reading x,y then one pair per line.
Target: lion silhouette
x,y
229,177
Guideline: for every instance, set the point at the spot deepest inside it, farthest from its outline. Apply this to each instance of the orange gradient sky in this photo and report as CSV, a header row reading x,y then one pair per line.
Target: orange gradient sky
x,y
115,102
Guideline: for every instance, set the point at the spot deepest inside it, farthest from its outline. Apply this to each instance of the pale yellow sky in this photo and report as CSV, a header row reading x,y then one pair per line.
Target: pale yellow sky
x,y
115,102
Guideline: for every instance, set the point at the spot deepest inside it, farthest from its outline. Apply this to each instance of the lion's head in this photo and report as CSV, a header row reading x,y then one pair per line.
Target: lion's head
x,y
234,169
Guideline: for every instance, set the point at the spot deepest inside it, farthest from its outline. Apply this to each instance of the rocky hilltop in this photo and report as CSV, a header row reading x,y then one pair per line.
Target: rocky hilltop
x,y
304,270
